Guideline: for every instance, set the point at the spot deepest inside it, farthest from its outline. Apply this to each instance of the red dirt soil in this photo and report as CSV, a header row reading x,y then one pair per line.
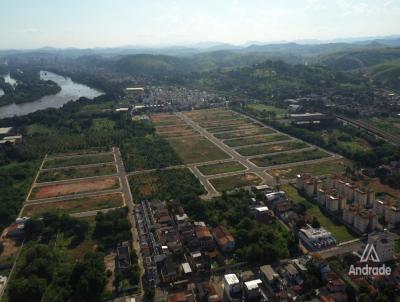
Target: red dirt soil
x,y
76,187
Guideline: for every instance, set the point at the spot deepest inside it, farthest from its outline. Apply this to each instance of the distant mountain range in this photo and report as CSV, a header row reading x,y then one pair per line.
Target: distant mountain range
x,y
301,47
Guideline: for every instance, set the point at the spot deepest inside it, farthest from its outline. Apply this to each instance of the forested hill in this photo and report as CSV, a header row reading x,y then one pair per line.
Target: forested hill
x,y
274,80
356,59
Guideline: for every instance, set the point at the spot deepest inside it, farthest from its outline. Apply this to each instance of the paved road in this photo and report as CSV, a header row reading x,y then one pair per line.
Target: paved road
x,y
211,192
236,156
128,199
92,213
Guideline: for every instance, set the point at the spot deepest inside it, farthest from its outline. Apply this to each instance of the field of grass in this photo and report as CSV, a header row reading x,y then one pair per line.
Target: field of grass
x,y
196,149
286,158
339,231
77,161
242,133
267,108
75,205
265,149
238,142
231,166
228,183
325,168
71,173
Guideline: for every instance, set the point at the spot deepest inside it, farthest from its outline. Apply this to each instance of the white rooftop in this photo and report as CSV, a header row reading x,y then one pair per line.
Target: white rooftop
x,y
231,279
186,268
262,209
5,130
253,284
135,88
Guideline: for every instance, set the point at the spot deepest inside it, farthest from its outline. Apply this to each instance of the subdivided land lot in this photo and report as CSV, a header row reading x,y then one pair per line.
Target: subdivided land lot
x,y
77,205
196,149
337,166
77,161
73,172
271,148
228,183
237,142
245,132
219,168
71,188
287,158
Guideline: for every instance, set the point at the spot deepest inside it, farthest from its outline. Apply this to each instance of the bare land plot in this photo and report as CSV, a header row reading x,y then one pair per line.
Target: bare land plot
x,y
213,169
233,127
228,183
337,166
77,161
220,123
242,133
77,205
272,148
286,158
172,128
260,139
178,133
71,173
196,149
83,186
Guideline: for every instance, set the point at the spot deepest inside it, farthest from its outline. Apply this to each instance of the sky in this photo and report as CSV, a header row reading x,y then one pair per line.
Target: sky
x,y
112,23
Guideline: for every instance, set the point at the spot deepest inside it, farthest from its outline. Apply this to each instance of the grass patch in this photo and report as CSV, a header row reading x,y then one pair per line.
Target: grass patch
x,y
286,158
196,149
228,183
75,205
267,108
325,168
77,161
338,230
238,142
231,166
71,173
265,149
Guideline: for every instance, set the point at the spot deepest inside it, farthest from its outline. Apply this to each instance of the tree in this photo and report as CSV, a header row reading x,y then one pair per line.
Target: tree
x,y
30,289
315,223
88,278
149,294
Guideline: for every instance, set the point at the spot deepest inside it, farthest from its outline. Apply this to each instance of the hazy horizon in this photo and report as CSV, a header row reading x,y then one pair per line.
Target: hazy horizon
x,y
91,24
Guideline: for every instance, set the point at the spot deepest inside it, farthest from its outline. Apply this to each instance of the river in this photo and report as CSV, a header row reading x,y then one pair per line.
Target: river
x,y
70,91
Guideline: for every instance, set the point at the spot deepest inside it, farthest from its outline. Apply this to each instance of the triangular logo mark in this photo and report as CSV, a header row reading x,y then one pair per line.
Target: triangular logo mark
x,y
369,254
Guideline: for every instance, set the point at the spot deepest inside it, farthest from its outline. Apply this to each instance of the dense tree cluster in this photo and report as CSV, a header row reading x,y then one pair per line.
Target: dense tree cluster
x,y
112,228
